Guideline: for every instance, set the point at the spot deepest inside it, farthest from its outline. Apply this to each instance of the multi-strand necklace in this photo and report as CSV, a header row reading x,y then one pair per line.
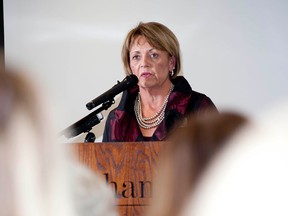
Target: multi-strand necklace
x,y
155,120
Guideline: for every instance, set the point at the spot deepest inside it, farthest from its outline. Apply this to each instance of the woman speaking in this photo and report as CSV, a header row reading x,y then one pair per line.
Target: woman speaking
x,y
162,100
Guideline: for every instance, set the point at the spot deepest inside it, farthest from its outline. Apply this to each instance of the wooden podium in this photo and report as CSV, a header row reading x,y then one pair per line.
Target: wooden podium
x,y
128,167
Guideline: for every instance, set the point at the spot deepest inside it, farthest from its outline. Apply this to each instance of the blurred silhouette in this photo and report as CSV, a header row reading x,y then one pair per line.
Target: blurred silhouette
x,y
249,176
38,176
91,195
182,161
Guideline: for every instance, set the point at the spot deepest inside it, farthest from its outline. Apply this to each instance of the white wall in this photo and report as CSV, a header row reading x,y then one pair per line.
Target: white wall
x,y
233,51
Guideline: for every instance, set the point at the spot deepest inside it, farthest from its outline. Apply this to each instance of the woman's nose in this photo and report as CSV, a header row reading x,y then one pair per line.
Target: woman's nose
x,y
145,61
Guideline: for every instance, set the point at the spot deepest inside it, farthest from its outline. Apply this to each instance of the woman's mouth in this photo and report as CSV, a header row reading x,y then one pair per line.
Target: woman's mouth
x,y
146,74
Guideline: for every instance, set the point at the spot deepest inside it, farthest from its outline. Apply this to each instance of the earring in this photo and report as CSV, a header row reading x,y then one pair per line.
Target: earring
x,y
172,72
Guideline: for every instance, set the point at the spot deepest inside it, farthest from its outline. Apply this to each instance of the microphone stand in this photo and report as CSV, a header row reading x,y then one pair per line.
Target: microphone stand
x,y
85,124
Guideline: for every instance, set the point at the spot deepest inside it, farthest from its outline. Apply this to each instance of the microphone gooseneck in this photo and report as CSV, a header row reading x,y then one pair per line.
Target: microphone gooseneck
x,y
128,82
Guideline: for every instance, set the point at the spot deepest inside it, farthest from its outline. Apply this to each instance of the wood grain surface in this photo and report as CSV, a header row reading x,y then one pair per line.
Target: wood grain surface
x,y
127,167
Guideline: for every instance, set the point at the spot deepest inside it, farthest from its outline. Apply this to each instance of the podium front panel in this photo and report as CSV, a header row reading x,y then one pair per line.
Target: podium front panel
x,y
127,167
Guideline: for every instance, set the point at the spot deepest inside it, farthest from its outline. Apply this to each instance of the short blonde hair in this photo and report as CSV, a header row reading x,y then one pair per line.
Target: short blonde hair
x,y
158,36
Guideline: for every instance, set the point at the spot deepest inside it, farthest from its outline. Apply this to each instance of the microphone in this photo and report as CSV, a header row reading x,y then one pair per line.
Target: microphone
x,y
128,82
83,125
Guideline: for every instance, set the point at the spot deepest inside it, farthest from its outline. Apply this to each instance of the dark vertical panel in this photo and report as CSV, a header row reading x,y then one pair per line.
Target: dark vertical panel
x,y
2,25
2,55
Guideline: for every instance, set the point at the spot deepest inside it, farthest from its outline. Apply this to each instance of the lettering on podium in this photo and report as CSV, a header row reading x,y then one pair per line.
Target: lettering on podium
x,y
128,189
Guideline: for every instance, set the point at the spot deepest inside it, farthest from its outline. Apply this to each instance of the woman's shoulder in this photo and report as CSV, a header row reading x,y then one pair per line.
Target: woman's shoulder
x,y
201,101
197,100
127,99
125,106
183,86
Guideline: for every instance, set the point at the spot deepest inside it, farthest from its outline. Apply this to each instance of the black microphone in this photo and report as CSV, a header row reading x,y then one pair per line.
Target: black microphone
x,y
128,82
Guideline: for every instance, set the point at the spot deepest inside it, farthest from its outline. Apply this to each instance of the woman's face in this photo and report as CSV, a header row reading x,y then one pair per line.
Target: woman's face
x,y
150,65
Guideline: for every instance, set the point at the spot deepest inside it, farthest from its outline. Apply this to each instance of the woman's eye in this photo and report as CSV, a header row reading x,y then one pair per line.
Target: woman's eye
x,y
135,57
154,55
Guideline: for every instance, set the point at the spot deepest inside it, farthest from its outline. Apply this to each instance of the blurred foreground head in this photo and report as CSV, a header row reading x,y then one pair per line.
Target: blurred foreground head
x,y
27,152
183,159
37,175
249,177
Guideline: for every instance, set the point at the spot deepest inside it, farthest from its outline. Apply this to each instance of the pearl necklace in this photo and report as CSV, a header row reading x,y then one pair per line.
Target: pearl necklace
x,y
155,120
